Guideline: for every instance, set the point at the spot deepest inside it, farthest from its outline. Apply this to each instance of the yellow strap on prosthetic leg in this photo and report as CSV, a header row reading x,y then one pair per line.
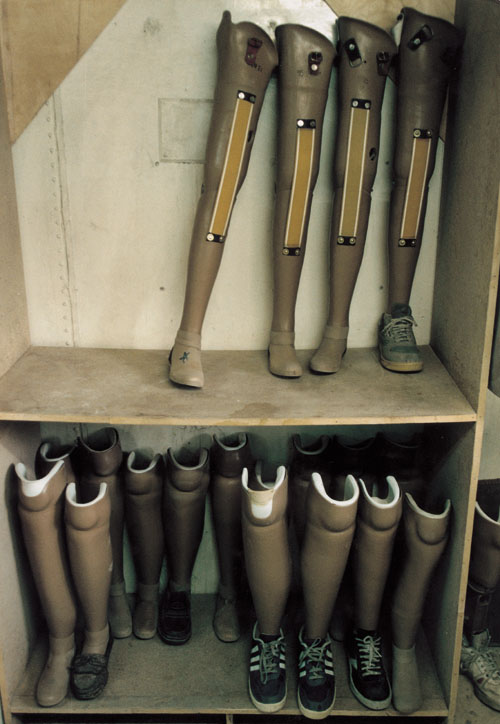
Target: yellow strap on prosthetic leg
x,y
415,188
232,166
301,186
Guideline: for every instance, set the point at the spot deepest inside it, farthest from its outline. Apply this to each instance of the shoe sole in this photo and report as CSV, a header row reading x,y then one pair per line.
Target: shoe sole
x,y
266,708
369,703
401,366
173,641
311,713
485,699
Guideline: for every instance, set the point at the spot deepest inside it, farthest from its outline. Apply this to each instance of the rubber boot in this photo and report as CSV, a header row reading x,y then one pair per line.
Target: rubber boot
x,y
305,64
184,497
101,459
41,506
426,535
143,479
90,554
246,59
365,55
229,456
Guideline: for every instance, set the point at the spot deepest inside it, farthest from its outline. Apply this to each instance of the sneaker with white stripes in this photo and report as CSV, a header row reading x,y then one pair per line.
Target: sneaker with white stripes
x,y
367,676
267,678
316,686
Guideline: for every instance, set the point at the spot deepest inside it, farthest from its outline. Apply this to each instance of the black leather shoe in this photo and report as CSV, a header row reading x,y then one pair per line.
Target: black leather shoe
x,y
174,620
89,673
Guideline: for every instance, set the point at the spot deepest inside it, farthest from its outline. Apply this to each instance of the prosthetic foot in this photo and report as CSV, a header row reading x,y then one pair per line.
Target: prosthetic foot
x,y
365,53
305,64
427,57
143,499
41,506
246,60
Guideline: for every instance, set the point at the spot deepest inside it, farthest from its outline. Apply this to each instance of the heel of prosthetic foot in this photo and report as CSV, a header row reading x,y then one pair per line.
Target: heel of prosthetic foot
x,y
328,357
185,360
283,360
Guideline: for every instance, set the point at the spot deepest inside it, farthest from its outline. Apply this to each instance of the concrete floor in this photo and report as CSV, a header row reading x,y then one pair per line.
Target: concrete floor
x,y
469,709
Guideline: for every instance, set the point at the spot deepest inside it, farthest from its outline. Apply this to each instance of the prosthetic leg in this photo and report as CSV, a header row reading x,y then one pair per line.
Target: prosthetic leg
x,y
184,496
40,506
101,457
427,56
90,555
365,52
49,453
268,565
305,63
378,519
228,457
246,59
426,535
143,500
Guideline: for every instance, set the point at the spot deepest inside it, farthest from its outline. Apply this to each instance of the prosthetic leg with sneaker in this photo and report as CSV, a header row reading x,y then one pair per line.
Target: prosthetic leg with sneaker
x,y
246,60
305,63
184,497
427,56
143,479
484,575
365,53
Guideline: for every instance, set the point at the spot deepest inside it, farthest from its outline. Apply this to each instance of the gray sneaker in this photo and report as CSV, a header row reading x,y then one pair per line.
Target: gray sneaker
x,y
396,342
480,666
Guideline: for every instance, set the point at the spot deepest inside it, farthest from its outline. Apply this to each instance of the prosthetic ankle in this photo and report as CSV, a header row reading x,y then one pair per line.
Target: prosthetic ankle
x,y
365,53
246,60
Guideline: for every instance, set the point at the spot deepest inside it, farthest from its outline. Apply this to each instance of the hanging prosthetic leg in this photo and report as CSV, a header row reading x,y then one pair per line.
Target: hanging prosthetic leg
x,y
365,53
426,535
268,565
246,59
184,498
305,63
143,500
484,576
331,521
427,56
41,506
228,458
90,555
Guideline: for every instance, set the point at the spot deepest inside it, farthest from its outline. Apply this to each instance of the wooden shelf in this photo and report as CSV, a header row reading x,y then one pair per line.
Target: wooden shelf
x,y
203,677
119,386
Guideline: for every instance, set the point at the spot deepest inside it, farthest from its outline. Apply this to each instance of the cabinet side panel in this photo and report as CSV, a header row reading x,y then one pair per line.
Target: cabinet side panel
x,y
467,263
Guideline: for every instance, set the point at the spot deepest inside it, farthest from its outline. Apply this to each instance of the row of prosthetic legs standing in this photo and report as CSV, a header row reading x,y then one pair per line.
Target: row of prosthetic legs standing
x,y
304,58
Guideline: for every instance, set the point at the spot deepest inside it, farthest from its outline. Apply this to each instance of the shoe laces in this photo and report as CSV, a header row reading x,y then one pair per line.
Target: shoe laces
x,y
400,329
370,655
313,657
269,660
485,663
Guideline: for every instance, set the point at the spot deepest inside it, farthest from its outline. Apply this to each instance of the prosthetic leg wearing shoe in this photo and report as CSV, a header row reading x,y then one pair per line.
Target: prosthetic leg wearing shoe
x,y
184,498
305,64
426,59
246,60
365,54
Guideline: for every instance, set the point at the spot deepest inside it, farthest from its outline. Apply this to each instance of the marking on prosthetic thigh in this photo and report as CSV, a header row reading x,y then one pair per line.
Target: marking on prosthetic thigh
x,y
355,168
232,166
301,186
415,187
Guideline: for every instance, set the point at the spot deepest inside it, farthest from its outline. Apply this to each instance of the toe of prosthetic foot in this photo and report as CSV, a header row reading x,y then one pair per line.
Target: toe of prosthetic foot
x,y
185,360
283,360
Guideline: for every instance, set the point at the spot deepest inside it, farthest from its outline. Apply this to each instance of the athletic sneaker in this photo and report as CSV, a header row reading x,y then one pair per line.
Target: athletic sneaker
x,y
316,686
367,676
396,342
267,678
478,664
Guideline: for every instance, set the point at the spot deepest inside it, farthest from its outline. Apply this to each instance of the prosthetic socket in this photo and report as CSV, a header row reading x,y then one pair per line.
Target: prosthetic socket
x,y
246,60
305,63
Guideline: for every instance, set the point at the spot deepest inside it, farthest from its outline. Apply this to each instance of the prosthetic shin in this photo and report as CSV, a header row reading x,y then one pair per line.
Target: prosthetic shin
x,y
426,535
40,506
305,63
265,544
246,59
365,52
143,501
229,456
101,456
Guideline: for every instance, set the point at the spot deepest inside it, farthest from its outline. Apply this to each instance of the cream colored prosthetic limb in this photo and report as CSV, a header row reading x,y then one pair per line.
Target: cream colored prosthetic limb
x,y
365,52
143,479
305,63
101,457
229,456
40,506
426,535
246,60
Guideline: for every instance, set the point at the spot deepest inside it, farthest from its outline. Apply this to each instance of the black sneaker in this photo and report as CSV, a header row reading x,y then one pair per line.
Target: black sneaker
x,y
367,677
267,678
174,618
316,686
